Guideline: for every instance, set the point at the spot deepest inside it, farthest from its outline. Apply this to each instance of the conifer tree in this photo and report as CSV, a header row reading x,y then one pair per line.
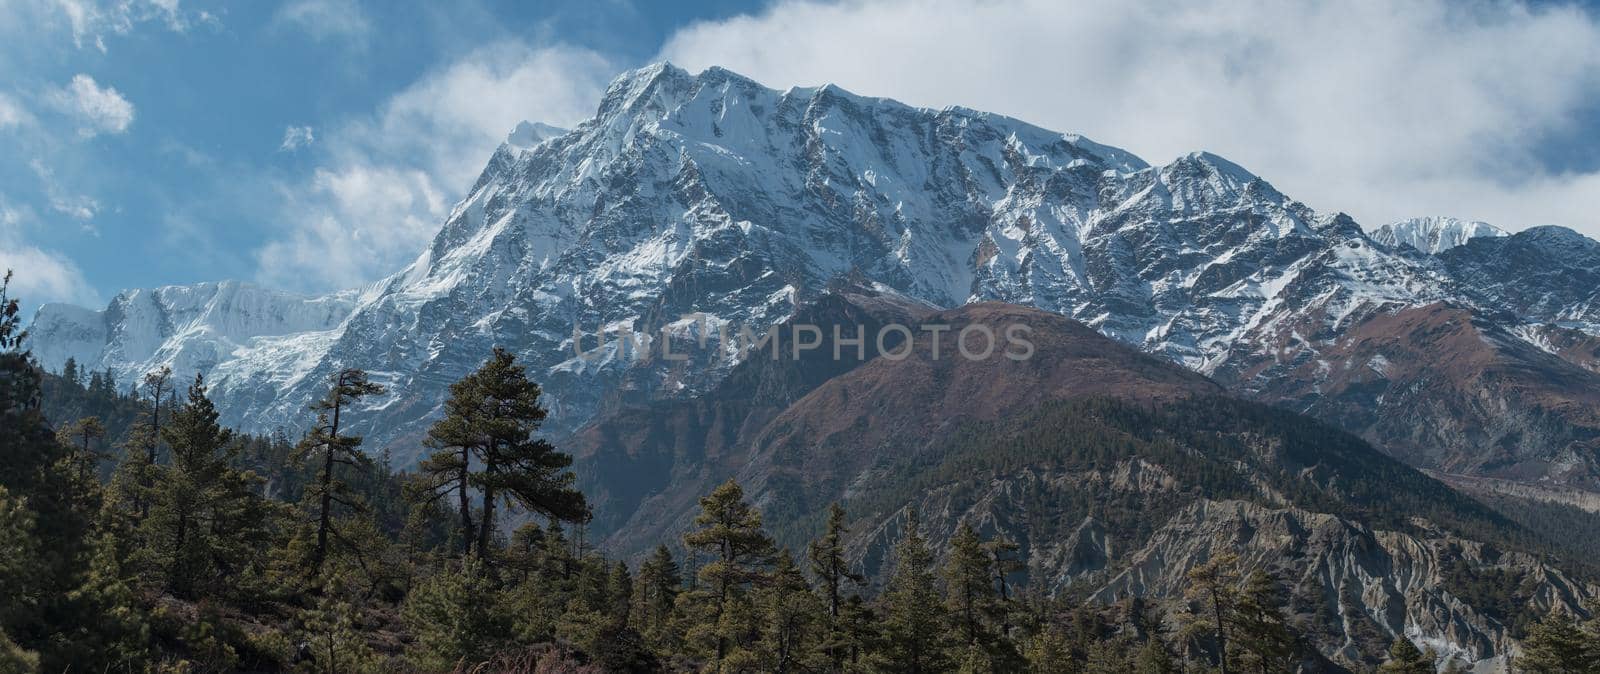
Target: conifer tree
x,y
197,442
1406,658
969,586
456,615
491,415
46,546
1004,559
1153,658
516,466
1214,587
1559,644
832,571
70,372
1047,652
11,332
654,595
330,447
791,619
913,612
155,382
115,630
860,629
334,640
453,440
730,531
619,593
1266,642
207,523
83,435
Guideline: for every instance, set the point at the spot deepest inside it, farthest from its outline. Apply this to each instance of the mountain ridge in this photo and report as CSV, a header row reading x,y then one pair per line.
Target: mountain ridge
x,y
712,194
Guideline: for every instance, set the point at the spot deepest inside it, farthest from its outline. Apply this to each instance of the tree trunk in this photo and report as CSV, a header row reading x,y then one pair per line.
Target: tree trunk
x,y
325,518
466,505
486,528
1222,634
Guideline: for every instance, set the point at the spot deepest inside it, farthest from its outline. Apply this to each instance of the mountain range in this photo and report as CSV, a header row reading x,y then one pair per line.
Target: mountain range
x,y
711,194
1185,317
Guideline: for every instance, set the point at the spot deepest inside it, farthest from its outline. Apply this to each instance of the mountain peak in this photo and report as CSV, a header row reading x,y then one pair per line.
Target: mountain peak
x,y
1434,234
529,134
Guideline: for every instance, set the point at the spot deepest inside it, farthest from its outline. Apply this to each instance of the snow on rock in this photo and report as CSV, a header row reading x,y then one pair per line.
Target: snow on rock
x,y
1433,235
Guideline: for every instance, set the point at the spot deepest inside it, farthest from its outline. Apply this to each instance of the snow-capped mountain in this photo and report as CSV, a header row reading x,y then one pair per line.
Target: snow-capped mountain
x,y
712,194
208,328
1433,235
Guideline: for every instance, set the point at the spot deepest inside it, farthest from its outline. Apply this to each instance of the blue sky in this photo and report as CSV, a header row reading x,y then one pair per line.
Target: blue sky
x,y
315,144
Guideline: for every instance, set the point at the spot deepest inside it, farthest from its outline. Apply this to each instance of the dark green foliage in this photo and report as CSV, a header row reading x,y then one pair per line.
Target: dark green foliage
x,y
333,452
1406,658
1501,594
1559,643
729,531
913,626
489,421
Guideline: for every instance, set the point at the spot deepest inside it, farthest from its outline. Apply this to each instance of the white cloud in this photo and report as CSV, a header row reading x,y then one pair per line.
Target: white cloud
x,y
97,109
41,276
326,19
12,113
353,220
387,180
92,21
296,137
78,206
1382,109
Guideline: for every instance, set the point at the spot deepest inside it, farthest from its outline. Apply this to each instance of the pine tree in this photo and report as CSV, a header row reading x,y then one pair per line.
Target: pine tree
x,y
1406,658
1004,559
83,435
491,415
11,333
655,594
1260,632
327,445
1153,658
860,626
791,619
18,549
1214,587
1047,652
730,530
195,478
516,466
913,614
70,372
208,523
969,586
116,632
1558,644
155,382
336,643
832,571
46,549
456,615
453,439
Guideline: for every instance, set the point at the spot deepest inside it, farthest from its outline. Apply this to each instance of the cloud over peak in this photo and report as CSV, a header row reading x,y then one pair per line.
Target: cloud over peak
x,y
1383,109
